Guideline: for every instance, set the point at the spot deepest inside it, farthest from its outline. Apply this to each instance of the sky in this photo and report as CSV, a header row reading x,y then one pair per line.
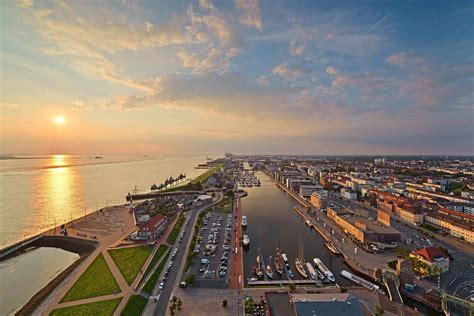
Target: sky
x,y
243,76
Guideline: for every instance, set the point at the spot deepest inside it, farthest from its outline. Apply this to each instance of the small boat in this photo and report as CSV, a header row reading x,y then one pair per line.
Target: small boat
x,y
253,279
244,221
308,223
285,259
290,273
322,267
259,268
269,271
332,248
299,262
246,241
278,262
311,271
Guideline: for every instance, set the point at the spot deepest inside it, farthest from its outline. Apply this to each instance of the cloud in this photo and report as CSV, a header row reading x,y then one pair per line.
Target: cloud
x,y
250,13
331,70
408,60
25,3
78,104
8,105
287,72
295,48
262,80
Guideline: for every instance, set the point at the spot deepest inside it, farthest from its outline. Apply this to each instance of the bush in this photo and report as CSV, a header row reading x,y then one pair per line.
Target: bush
x,y
292,287
190,279
343,290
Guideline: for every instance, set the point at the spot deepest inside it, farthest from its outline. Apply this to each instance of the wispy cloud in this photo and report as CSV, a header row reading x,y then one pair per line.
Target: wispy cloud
x,y
250,13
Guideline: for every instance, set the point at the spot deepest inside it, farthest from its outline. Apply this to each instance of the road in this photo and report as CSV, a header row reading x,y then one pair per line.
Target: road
x,y
174,276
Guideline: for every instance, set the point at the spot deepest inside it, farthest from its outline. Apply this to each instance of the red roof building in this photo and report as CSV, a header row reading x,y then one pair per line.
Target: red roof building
x,y
154,227
433,256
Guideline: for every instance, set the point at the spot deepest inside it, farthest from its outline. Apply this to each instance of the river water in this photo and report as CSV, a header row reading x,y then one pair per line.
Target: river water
x,y
272,222
24,275
37,192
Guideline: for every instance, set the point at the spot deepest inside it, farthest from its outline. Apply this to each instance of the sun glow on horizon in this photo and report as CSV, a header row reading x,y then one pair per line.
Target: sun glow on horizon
x,y
59,120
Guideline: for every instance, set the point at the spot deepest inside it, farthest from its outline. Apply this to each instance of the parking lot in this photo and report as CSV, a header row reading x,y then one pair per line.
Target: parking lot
x,y
213,250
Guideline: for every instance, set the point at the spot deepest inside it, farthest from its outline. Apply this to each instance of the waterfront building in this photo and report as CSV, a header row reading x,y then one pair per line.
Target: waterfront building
x,y
432,256
307,190
363,229
153,228
336,304
319,199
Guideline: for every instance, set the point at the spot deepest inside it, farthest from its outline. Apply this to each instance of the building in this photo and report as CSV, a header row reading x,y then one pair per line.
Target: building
x,y
153,228
319,199
457,224
432,256
363,229
383,217
348,193
334,304
307,190
409,213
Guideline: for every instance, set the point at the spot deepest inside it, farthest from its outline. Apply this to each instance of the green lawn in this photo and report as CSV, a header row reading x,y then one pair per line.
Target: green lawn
x,y
150,284
130,260
101,308
97,280
176,229
135,306
158,254
225,206
203,177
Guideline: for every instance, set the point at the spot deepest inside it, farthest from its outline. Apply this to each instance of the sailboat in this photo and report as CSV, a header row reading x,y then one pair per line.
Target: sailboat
x,y
269,269
299,262
278,262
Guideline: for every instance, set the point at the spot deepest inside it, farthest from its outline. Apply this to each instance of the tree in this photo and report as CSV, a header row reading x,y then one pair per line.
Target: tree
x,y
292,286
179,303
224,303
172,307
379,310
343,289
190,279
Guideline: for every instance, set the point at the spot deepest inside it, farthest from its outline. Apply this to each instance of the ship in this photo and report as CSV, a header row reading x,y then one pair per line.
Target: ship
x,y
246,241
244,221
285,259
259,268
322,267
278,262
299,262
360,281
311,271
332,248
269,270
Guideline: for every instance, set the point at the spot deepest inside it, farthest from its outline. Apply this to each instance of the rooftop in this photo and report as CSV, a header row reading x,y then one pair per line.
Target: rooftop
x,y
430,254
334,304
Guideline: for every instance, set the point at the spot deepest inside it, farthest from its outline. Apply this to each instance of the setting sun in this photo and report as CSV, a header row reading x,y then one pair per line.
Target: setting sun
x,y
59,120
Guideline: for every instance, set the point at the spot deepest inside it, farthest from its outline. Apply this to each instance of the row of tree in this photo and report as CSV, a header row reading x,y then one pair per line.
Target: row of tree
x,y
168,182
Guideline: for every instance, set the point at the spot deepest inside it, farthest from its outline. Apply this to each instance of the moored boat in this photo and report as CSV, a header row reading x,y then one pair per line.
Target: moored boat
x,y
361,281
259,268
311,271
269,272
285,259
244,221
332,248
278,262
246,241
299,262
322,267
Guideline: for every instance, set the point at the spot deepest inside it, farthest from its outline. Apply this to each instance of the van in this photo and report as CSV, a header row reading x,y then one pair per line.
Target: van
x,y
204,261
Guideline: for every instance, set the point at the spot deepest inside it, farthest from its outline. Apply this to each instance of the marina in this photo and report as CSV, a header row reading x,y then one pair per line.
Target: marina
x,y
275,231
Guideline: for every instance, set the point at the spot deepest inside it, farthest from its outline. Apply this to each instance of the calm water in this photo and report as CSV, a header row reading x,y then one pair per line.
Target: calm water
x,y
36,193
272,220
22,276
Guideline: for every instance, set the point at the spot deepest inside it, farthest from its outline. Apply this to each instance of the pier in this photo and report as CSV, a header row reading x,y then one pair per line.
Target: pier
x,y
282,282
152,195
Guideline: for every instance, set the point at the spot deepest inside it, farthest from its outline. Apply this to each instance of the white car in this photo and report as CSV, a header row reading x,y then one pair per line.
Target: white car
x,y
162,285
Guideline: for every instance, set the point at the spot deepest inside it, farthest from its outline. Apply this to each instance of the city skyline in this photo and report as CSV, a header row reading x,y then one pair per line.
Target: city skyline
x,y
237,76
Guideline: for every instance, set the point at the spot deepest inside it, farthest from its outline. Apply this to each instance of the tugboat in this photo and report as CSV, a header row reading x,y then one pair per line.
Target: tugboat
x,y
278,262
246,241
269,270
299,262
332,248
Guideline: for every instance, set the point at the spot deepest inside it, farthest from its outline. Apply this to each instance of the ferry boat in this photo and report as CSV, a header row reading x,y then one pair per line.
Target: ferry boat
x,y
311,271
322,267
299,262
246,241
278,262
244,221
332,248
285,259
360,281
269,271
